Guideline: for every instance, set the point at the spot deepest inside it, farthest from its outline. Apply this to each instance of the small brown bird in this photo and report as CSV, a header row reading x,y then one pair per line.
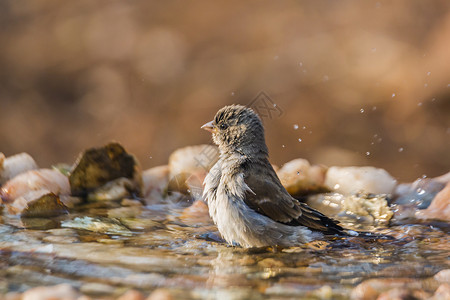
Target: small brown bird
x,y
246,200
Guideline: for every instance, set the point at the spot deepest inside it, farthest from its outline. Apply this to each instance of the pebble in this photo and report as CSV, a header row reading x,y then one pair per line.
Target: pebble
x,y
443,276
160,294
57,239
132,295
439,208
299,177
95,288
14,165
56,292
271,263
155,181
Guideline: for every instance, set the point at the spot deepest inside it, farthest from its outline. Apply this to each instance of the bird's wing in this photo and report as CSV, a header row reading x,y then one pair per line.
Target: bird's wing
x,y
268,197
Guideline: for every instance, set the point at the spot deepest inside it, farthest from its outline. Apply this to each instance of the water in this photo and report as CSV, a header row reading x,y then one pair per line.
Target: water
x,y
171,246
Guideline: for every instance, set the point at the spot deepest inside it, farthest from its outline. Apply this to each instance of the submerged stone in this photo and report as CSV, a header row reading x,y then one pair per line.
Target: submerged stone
x,y
48,205
100,225
366,209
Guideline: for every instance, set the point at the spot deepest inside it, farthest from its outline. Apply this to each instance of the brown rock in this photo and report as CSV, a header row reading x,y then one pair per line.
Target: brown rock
x,y
96,167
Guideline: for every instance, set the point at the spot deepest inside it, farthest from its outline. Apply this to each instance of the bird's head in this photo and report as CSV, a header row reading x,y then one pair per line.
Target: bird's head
x,y
237,128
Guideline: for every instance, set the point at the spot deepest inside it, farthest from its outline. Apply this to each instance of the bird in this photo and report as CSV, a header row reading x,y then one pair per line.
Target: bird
x,y
245,197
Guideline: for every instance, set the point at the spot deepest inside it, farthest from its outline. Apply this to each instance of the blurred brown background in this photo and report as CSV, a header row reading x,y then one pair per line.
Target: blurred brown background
x,y
369,80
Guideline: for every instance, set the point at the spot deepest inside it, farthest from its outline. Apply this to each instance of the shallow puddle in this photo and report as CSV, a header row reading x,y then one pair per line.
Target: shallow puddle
x,y
158,246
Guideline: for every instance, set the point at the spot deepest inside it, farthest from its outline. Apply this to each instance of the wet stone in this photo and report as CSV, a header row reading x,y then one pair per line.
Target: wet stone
x,y
96,167
60,239
48,205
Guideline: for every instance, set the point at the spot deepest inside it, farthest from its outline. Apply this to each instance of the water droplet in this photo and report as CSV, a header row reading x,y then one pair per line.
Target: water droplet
x,y
419,104
310,132
429,73
298,173
420,191
424,176
232,93
379,140
361,110
300,64
274,105
425,85
303,127
372,143
336,186
283,146
300,140
400,149
448,85
150,157
295,126
374,108
375,135
433,99
393,95
367,153
304,71
325,78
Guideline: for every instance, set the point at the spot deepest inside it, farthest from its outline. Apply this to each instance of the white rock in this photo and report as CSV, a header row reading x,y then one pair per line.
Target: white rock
x,y
350,180
14,165
35,180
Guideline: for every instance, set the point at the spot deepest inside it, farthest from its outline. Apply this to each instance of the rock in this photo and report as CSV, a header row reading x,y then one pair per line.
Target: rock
x,y
299,177
100,225
15,165
187,161
95,288
125,212
439,208
45,206
443,276
197,214
403,294
114,190
372,288
97,167
132,295
50,181
155,182
57,292
363,208
160,294
271,263
418,194
442,292
351,180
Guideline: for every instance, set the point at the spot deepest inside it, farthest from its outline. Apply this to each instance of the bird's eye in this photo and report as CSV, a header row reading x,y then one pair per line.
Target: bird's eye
x,y
223,126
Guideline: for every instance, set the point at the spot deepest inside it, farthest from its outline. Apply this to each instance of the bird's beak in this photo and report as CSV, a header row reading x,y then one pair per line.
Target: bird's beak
x,y
210,127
